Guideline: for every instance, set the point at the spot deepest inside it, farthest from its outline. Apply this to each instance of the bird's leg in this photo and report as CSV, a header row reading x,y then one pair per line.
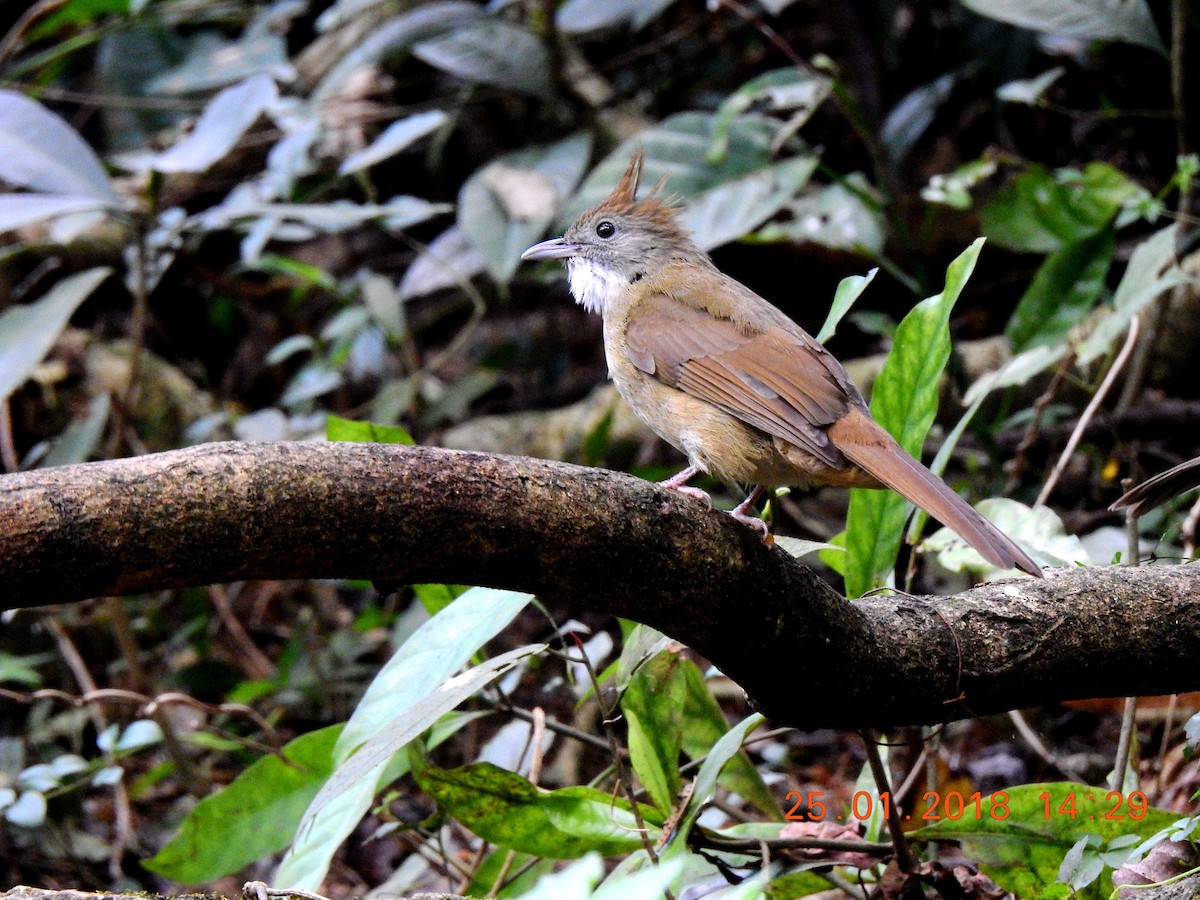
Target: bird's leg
x,y
742,514
679,482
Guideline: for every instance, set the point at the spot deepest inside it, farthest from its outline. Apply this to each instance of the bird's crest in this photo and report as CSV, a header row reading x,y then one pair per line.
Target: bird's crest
x,y
653,208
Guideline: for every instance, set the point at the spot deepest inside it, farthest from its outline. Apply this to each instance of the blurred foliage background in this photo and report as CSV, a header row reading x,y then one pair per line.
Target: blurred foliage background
x,y
233,219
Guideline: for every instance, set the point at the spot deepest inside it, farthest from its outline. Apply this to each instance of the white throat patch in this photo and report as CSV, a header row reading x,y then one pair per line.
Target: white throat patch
x,y
593,286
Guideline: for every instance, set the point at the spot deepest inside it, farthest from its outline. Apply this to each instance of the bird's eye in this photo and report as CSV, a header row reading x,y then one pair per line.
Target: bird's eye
x,y
606,229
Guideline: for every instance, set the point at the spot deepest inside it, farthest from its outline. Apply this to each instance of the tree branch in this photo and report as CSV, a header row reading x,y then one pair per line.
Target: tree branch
x,y
599,540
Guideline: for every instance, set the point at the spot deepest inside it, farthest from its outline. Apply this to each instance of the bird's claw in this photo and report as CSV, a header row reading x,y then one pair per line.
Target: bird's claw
x,y
693,492
763,529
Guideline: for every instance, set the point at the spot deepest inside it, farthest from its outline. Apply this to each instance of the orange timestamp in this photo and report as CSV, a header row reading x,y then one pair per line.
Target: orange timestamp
x,y
955,806
952,805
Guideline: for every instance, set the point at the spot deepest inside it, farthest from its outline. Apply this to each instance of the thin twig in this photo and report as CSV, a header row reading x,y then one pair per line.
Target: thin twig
x,y
904,855
1093,405
256,663
1124,743
1031,739
1188,530
8,449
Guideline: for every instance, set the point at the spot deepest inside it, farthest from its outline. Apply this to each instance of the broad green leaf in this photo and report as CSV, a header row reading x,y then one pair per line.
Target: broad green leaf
x,y
904,401
791,90
800,548
653,706
318,836
43,153
28,331
582,16
704,724
339,215
910,118
430,656
747,178
81,437
339,429
1100,20
1038,530
1022,851
953,189
407,696
1017,370
836,215
253,816
1065,288
1029,90
19,210
645,881
734,208
507,810
507,205
848,290
705,785
575,882
227,117
392,37
435,597
212,62
641,644
1044,211
398,136
1150,272
491,51
796,884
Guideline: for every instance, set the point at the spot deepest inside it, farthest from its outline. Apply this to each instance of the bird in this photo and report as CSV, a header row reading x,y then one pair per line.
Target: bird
x,y
1162,487
726,378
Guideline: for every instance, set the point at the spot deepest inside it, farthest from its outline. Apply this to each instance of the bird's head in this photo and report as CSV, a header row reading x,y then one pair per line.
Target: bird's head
x,y
619,242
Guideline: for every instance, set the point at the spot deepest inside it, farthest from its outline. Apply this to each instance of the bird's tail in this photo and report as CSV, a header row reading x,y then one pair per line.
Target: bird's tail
x,y
869,446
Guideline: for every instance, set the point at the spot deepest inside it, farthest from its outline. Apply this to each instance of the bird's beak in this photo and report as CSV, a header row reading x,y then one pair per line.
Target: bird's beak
x,y
557,248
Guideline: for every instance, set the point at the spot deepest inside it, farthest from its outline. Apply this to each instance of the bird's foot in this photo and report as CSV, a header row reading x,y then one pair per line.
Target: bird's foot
x,y
694,492
679,482
741,513
763,529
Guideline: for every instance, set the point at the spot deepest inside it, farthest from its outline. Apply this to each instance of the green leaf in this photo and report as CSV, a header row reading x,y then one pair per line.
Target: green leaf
x,y
1023,851
1150,272
848,290
492,51
1038,529
1044,212
339,429
508,204
794,91
1100,20
427,659
44,154
1065,288
705,785
904,401
28,331
641,881
704,724
582,16
509,811
575,882
410,693
435,597
721,200
254,816
796,884
653,706
842,215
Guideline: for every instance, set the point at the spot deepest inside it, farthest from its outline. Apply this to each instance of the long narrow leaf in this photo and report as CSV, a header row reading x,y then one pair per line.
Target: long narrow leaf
x,y
904,400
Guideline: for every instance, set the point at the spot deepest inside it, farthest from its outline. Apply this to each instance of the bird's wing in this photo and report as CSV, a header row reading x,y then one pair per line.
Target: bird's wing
x,y
773,376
